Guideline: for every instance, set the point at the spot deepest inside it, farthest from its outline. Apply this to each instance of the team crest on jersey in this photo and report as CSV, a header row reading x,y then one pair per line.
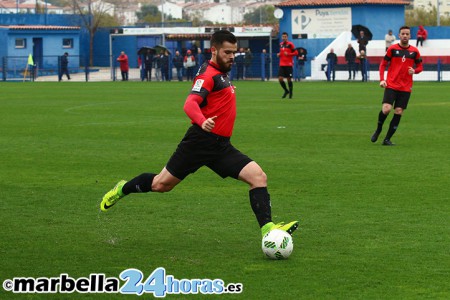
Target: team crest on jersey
x,y
198,85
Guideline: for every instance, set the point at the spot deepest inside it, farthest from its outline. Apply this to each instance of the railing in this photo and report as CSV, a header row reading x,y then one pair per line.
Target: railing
x,y
48,68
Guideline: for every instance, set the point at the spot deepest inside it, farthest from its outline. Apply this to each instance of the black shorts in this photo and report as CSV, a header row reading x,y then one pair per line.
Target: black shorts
x,y
285,71
200,148
396,98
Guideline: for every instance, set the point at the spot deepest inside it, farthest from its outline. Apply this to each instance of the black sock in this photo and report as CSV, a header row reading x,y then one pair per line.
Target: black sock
x,y
283,85
260,202
381,118
139,184
393,126
291,86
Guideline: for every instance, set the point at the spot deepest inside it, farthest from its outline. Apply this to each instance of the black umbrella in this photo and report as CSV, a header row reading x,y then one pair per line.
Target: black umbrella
x,y
357,28
158,49
145,50
304,50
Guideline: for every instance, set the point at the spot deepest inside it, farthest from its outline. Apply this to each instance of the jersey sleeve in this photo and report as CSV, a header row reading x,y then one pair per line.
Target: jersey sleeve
x,y
197,99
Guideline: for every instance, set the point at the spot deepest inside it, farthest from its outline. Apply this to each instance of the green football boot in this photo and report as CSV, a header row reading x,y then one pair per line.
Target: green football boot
x,y
112,196
289,227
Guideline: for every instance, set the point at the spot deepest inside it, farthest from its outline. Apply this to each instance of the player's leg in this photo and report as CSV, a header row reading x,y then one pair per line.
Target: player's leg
x,y
255,177
401,103
289,80
281,76
388,101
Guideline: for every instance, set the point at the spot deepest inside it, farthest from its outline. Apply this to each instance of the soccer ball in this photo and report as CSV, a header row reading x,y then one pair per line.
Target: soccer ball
x,y
277,244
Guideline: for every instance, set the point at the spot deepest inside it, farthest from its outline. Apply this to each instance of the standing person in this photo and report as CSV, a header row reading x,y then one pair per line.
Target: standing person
x,y
363,65
331,60
199,60
350,57
64,66
211,106
148,65
286,55
389,39
422,35
301,59
401,58
124,68
189,65
267,61
177,61
248,58
157,62
240,62
362,41
165,66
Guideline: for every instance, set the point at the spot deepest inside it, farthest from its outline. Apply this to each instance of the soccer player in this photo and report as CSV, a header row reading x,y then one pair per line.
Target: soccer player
x,y
402,57
286,55
211,106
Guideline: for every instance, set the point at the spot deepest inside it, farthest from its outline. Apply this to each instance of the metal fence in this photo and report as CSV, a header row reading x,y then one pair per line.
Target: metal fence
x,y
48,68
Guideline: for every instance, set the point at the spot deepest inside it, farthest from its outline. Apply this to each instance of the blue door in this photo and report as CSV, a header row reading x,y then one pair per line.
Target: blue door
x,y
38,52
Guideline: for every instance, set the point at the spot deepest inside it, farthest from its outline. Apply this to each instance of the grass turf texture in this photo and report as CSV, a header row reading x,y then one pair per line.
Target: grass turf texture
x,y
374,219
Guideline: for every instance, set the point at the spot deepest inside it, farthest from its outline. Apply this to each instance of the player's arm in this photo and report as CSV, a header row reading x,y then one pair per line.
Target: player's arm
x,y
193,111
419,65
382,69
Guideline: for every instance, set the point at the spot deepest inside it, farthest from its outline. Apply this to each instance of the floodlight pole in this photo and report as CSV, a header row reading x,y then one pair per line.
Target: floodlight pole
x,y
162,23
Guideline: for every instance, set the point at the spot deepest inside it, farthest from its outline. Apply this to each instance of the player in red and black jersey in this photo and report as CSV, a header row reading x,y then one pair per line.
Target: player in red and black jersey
x,y
405,61
211,106
286,55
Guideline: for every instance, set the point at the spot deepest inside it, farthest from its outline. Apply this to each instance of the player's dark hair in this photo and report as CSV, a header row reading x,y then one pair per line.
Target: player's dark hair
x,y
221,36
285,33
404,27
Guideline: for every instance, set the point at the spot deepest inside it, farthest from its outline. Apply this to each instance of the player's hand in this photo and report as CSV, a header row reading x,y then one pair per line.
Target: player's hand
x,y
411,71
278,54
383,84
209,124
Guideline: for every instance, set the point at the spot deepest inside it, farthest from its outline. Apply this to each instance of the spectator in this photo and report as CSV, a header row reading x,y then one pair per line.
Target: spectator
x,y
157,64
362,40
239,59
148,65
64,66
248,63
165,65
267,61
124,67
363,64
422,35
301,59
189,65
350,57
389,38
177,61
331,61
199,59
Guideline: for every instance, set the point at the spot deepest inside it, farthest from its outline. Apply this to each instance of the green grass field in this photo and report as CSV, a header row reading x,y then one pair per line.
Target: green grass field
x,y
375,221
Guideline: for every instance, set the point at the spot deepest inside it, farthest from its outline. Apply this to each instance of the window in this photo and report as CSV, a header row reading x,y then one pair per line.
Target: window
x,y
67,43
21,43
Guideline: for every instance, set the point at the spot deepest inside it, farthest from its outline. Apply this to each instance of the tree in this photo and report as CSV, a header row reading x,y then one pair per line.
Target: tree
x,y
149,13
425,17
93,15
261,15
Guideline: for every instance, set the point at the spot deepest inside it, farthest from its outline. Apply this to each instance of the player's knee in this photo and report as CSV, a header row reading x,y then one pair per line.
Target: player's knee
x,y
160,187
398,110
259,178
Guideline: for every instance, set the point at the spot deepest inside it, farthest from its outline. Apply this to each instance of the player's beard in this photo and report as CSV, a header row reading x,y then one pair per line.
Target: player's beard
x,y
224,65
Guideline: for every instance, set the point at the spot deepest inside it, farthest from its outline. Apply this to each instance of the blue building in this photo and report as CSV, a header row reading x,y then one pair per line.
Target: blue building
x,y
44,43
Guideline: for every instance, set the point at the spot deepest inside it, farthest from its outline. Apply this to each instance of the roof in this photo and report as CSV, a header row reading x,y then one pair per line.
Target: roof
x,y
41,27
341,2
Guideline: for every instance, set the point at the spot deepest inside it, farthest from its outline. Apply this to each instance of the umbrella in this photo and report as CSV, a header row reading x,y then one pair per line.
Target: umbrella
x,y
158,49
145,50
304,50
357,28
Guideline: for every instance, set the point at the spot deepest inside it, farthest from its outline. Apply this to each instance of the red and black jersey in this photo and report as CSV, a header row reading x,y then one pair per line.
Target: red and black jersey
x,y
401,59
212,95
287,52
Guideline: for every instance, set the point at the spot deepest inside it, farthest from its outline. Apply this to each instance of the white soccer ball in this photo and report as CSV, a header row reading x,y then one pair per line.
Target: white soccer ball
x,y
277,244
